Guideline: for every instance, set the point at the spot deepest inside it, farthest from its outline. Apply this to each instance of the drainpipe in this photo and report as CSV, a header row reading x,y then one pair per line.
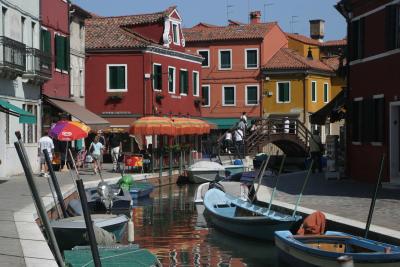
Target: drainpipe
x,y
304,99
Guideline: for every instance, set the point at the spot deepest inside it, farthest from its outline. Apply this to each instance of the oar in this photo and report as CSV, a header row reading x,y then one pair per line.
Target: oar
x,y
260,177
302,189
276,182
371,208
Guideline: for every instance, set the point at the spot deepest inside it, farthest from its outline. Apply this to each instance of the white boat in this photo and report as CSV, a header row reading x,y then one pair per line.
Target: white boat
x,y
205,171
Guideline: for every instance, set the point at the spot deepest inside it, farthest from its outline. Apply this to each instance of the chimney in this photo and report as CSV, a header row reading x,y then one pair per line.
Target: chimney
x,y
255,17
317,29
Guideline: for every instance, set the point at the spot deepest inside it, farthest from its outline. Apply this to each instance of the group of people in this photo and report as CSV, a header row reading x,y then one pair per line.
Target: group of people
x,y
94,154
236,137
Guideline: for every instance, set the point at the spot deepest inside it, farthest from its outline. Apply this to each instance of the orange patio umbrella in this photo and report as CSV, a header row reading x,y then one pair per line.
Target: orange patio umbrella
x,y
190,126
152,125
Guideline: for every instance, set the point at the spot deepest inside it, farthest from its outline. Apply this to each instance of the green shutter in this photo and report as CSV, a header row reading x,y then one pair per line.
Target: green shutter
x,y
229,95
121,77
113,74
195,89
60,52
286,94
281,92
45,41
252,95
66,53
204,94
170,80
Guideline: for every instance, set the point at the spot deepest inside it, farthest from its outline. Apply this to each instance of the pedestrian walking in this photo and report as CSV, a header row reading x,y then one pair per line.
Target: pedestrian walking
x,y
102,140
116,150
95,149
45,143
239,141
316,150
243,117
228,142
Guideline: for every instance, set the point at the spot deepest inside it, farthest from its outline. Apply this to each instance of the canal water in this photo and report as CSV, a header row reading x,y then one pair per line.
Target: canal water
x,y
168,225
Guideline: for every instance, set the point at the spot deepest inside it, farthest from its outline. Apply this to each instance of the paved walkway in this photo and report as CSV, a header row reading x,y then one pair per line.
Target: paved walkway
x,y
15,204
345,198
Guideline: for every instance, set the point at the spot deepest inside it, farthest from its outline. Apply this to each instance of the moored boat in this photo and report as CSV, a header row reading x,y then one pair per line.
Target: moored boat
x,y
205,171
140,189
324,250
241,217
69,232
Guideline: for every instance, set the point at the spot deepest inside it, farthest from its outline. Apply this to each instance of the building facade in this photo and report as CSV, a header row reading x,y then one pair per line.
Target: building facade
x,y
137,65
24,68
231,70
373,92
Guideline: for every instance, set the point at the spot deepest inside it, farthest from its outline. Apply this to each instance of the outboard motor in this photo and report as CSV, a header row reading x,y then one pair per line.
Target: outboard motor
x,y
104,191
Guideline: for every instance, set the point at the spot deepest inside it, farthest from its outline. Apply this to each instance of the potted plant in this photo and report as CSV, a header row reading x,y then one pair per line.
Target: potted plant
x,y
159,96
115,97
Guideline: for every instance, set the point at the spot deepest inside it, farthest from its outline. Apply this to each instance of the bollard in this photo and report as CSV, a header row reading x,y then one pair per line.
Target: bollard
x,y
345,261
131,229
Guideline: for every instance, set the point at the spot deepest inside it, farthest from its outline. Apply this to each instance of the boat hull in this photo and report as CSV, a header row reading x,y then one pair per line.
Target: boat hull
x,y
306,258
140,192
204,176
70,232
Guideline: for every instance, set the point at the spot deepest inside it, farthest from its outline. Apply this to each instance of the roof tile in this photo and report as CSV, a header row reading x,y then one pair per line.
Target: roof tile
x,y
288,59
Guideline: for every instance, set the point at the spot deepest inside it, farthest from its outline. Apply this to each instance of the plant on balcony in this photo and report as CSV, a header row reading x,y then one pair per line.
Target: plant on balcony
x,y
159,96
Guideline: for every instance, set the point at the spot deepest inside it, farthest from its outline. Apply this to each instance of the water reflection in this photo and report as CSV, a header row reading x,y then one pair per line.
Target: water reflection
x,y
168,229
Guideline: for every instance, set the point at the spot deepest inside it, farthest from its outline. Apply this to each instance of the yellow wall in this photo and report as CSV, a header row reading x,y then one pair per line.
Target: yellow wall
x,y
302,48
297,84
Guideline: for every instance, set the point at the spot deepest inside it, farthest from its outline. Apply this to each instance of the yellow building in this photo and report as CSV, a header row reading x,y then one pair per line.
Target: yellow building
x,y
296,86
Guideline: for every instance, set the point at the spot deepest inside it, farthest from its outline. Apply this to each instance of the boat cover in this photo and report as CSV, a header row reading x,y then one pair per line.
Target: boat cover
x,y
206,166
314,224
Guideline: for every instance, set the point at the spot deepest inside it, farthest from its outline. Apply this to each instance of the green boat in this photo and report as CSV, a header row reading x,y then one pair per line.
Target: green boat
x,y
119,255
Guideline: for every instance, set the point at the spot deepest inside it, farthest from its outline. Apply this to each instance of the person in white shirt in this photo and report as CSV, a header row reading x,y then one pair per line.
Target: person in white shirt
x,y
45,143
239,141
228,141
96,149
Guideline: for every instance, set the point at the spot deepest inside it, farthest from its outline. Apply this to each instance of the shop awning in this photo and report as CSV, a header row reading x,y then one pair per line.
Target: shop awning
x,y
86,116
24,116
223,123
334,110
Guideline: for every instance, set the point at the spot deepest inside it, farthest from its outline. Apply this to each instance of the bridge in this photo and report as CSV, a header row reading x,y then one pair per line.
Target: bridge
x,y
289,135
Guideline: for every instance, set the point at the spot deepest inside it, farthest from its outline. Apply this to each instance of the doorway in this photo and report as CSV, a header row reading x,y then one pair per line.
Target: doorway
x,y
394,145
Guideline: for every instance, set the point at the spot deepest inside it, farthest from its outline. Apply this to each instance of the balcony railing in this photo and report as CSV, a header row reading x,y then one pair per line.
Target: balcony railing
x,y
38,62
12,54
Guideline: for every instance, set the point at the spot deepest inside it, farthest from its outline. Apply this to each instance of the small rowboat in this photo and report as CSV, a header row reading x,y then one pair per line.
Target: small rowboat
x,y
232,214
324,250
140,189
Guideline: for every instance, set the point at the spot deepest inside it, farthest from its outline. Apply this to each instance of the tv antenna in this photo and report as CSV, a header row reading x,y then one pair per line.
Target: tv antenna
x,y
228,9
292,22
265,12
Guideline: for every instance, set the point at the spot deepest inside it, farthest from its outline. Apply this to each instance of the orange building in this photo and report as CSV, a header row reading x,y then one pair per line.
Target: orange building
x,y
231,70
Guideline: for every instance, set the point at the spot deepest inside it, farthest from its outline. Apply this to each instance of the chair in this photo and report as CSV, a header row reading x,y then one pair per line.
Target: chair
x,y
134,162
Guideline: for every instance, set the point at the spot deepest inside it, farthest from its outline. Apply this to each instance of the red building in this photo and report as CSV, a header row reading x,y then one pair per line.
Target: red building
x,y
137,65
231,74
373,91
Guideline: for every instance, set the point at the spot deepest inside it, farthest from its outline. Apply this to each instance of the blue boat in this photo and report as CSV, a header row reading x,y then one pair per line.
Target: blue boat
x,y
140,189
241,217
324,250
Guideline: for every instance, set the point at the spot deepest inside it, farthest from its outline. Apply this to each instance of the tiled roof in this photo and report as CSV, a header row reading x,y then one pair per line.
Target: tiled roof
x,y
288,59
333,62
204,25
109,32
307,40
231,32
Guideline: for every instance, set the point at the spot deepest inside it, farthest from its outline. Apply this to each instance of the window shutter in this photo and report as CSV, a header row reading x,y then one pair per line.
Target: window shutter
x,y
113,77
379,116
45,43
390,26
286,90
121,77
66,53
367,120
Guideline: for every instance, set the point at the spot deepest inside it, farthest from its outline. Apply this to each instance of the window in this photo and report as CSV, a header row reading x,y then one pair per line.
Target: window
x,y
175,33
33,30
205,93
62,52
29,130
378,117
326,93
251,58
184,82
205,54
195,83
357,42
225,59
228,95
283,92
3,20
252,95
45,43
314,91
157,76
356,124
117,78
22,29
171,79
81,84
392,27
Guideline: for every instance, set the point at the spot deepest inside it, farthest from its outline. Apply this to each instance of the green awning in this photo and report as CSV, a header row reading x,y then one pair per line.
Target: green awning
x,y
223,123
24,116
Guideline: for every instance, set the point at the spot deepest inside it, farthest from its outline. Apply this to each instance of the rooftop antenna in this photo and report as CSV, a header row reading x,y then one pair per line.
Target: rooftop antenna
x,y
228,9
292,22
265,12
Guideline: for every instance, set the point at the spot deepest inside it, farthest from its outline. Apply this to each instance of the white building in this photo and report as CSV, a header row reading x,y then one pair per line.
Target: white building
x,y
77,53
23,68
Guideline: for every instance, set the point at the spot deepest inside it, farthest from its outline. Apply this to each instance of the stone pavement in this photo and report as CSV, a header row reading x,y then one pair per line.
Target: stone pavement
x,y
345,198
16,201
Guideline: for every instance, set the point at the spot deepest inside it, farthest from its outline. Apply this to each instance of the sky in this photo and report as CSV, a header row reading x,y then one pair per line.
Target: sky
x,y
215,12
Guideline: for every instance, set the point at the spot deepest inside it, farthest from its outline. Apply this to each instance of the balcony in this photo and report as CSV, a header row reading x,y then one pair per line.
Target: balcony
x,y
12,58
38,66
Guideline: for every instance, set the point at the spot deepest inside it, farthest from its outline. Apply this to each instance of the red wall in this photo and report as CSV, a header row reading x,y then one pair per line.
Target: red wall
x,y
133,100
54,14
238,75
152,31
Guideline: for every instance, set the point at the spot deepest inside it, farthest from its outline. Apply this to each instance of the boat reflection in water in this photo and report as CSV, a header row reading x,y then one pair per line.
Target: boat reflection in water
x,y
168,229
